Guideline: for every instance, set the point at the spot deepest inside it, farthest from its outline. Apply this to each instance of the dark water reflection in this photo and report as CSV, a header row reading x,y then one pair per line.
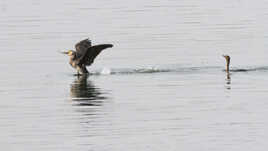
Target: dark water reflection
x,y
84,93
228,81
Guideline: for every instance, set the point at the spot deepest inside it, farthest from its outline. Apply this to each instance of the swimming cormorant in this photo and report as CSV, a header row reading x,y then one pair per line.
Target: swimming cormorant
x,y
228,59
84,55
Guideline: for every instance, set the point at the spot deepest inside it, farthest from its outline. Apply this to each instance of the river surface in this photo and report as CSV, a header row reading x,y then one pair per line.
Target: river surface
x,y
161,87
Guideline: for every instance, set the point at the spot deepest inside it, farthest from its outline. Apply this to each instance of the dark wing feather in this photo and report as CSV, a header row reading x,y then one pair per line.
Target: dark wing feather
x,y
92,52
82,46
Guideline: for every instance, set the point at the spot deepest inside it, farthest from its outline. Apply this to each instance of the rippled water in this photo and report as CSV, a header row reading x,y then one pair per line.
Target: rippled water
x,y
161,87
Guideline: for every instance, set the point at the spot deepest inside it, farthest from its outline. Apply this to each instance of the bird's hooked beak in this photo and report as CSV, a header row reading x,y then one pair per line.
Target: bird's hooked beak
x,y
69,52
64,52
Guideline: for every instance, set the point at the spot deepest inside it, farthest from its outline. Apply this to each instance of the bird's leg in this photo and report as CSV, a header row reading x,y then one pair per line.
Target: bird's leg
x,y
80,71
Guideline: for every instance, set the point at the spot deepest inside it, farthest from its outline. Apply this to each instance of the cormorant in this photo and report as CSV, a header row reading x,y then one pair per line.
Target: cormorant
x,y
84,55
228,59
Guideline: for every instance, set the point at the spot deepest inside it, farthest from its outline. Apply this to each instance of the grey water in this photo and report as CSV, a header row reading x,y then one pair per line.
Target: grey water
x,y
161,87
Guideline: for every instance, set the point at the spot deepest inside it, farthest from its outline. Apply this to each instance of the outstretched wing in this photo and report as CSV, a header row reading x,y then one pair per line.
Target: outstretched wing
x,y
92,52
82,46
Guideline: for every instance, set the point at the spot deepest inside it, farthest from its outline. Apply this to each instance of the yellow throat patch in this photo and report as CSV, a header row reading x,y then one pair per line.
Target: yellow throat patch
x,y
70,52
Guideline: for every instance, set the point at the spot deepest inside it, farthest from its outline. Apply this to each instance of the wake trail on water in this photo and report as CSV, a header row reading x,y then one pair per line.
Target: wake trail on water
x,y
250,69
173,69
151,70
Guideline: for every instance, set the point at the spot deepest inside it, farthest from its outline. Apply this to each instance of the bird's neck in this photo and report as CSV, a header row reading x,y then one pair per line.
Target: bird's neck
x,y
72,57
72,60
228,66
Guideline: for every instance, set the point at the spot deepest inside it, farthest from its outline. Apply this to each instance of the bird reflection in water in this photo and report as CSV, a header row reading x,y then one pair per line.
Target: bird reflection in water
x,y
228,81
84,93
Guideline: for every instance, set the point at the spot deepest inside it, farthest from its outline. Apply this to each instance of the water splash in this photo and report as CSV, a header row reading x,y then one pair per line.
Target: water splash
x,y
105,71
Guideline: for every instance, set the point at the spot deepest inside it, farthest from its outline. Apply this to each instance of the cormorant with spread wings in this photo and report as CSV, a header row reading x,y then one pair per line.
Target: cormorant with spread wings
x,y
84,55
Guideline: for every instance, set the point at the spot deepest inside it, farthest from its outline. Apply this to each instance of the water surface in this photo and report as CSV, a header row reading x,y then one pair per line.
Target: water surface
x,y
161,87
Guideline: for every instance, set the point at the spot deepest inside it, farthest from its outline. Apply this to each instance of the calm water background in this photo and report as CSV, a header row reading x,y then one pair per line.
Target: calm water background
x,y
166,89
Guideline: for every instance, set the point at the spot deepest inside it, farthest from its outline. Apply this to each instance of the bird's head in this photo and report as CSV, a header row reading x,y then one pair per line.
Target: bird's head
x,y
69,52
227,58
